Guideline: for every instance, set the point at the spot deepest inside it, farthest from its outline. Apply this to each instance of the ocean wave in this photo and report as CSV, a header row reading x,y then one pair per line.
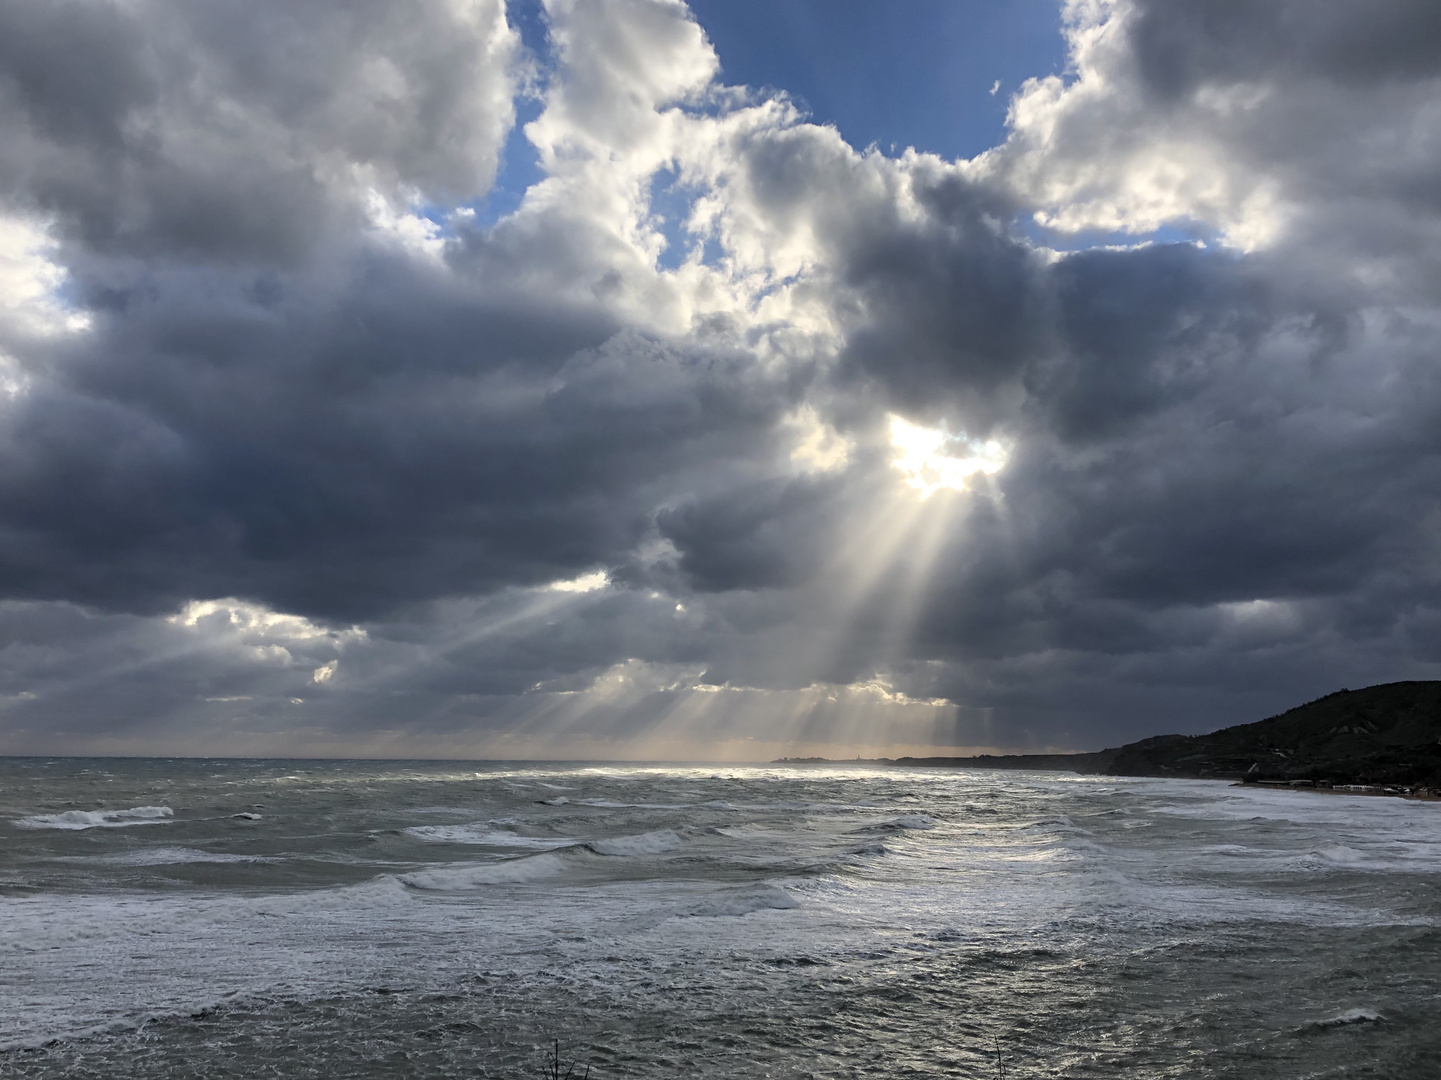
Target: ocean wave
x,y
169,856
1058,824
901,823
913,821
1342,855
651,843
1393,858
744,901
471,875
873,848
1350,1016
481,834
190,1009
609,804
98,819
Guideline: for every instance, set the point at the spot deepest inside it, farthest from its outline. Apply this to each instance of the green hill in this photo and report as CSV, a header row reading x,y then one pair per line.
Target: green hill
x,y
1384,734
1388,734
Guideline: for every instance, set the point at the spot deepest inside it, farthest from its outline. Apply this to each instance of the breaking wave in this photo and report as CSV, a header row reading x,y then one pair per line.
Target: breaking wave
x,y
470,876
482,834
1350,1016
744,901
651,843
98,819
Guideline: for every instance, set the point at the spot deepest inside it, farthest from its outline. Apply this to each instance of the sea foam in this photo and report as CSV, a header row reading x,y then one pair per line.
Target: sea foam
x,y
744,901
1350,1016
651,843
472,875
169,856
483,835
98,819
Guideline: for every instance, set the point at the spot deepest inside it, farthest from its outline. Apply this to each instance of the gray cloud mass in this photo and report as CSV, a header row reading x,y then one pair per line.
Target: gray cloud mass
x,y
1131,424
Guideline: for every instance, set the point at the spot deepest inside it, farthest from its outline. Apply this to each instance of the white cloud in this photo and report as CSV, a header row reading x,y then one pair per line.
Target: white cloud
x,y
931,459
30,284
591,582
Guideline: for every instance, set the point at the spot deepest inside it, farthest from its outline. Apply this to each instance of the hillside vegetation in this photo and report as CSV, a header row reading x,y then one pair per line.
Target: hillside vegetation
x,y
1388,734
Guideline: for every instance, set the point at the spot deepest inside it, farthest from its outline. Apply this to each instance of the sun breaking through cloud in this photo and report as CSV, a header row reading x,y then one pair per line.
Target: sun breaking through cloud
x,y
930,459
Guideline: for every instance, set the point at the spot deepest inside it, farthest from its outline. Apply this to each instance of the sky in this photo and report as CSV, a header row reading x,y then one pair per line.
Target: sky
x,y
617,379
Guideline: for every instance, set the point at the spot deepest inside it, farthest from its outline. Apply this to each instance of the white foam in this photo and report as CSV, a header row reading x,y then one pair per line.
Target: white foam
x,y
608,804
651,843
98,819
1350,1016
168,856
744,901
1342,855
914,821
246,816
481,834
1390,858
471,875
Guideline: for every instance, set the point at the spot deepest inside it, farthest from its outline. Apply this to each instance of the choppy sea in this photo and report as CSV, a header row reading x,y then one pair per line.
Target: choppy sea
x,y
184,918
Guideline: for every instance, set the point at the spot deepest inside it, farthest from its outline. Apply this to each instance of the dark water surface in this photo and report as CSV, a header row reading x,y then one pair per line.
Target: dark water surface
x,y
165,918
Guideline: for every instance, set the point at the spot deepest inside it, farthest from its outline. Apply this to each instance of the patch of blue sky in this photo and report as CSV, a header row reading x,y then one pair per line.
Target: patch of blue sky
x,y
519,169
519,166
671,203
915,73
933,74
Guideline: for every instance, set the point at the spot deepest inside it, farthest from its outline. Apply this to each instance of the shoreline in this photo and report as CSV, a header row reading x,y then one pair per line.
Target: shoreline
x,y
1361,790
1010,764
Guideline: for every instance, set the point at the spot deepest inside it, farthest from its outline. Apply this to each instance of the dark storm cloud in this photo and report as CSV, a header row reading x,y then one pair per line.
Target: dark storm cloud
x,y
955,305
369,430
340,463
311,383
1180,45
223,130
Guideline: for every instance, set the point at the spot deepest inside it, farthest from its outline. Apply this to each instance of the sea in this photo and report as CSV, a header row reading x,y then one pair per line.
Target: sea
x,y
335,919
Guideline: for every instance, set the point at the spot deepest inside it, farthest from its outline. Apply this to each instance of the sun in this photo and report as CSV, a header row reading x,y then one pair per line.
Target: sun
x,y
931,459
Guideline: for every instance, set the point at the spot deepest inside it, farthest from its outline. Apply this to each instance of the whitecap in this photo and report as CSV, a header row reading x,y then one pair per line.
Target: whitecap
x,y
98,819
904,821
1350,1016
168,856
914,821
480,834
608,804
472,875
870,849
744,901
651,843
1342,855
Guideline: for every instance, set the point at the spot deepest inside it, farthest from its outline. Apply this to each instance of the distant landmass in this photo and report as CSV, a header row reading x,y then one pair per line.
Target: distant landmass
x,y
1386,736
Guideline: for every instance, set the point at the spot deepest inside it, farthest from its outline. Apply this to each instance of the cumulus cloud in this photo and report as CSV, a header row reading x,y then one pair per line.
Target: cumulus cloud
x,y
730,439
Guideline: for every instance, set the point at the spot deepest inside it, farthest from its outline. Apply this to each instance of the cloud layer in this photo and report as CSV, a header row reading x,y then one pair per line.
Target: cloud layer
x,y
731,439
